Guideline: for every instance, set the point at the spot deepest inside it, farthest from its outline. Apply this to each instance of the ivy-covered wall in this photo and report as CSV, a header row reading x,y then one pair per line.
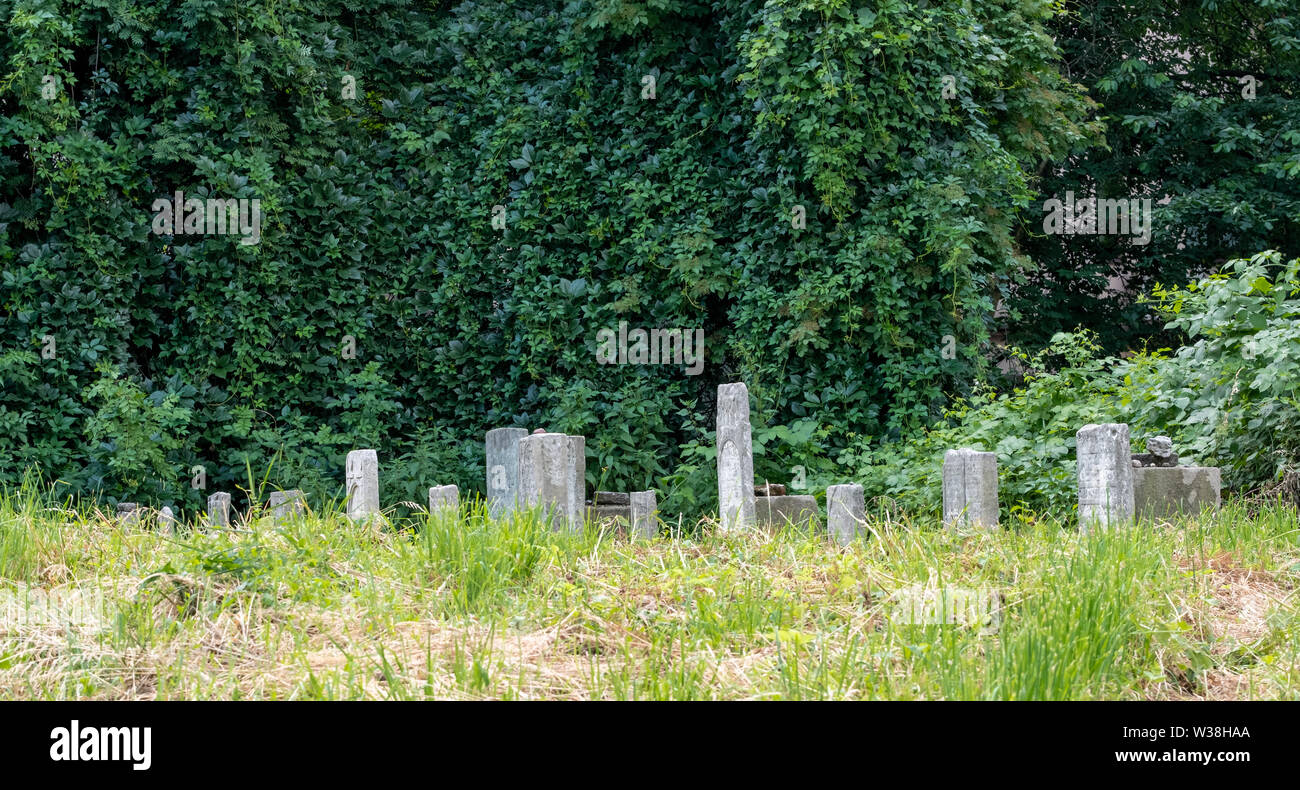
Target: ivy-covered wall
x,y
471,193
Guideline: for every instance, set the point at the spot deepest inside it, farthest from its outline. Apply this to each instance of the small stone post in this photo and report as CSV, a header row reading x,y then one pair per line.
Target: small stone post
x,y
845,512
166,521
285,504
645,512
219,510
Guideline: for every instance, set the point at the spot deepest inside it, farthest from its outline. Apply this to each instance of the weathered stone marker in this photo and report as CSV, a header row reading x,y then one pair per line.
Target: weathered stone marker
x,y
363,484
286,503
502,445
1160,492
610,506
219,510
1105,476
970,489
735,458
166,520
793,510
444,499
645,514
128,513
552,475
845,512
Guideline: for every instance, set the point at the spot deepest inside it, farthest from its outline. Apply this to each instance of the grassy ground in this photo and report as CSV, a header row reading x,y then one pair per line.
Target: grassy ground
x,y
471,608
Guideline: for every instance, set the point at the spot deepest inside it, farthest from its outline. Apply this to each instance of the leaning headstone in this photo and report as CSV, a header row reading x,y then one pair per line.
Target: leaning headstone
x,y
970,489
285,504
552,475
166,520
219,510
444,498
363,484
1105,476
644,514
502,446
735,458
845,512
128,513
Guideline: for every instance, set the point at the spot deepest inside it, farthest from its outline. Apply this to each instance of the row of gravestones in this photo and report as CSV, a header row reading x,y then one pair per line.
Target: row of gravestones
x,y
548,471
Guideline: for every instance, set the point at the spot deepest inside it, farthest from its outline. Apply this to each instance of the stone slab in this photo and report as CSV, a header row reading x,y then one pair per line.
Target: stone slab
x,y
1160,492
779,511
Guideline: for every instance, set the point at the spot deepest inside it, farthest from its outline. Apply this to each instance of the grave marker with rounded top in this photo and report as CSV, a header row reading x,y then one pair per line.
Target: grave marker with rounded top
x,y
845,512
1105,476
502,446
444,499
363,484
735,458
166,520
219,510
970,489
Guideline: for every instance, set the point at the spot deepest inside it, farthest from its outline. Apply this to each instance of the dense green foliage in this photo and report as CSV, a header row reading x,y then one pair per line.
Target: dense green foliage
x,y
672,211
1231,398
1202,115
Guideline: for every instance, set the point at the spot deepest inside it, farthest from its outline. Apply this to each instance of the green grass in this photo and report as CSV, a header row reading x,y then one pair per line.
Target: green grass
x,y
468,607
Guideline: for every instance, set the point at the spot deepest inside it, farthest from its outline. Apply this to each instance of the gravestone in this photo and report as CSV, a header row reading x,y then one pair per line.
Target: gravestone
x,y
552,475
502,445
444,498
219,510
644,513
363,484
128,513
1105,476
736,509
1161,492
845,512
970,489
285,504
780,511
610,506
166,520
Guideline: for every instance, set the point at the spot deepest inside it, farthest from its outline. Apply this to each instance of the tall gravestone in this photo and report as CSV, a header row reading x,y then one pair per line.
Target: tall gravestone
x,y
363,484
644,514
502,445
735,458
552,475
1105,476
970,489
444,499
845,512
219,510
